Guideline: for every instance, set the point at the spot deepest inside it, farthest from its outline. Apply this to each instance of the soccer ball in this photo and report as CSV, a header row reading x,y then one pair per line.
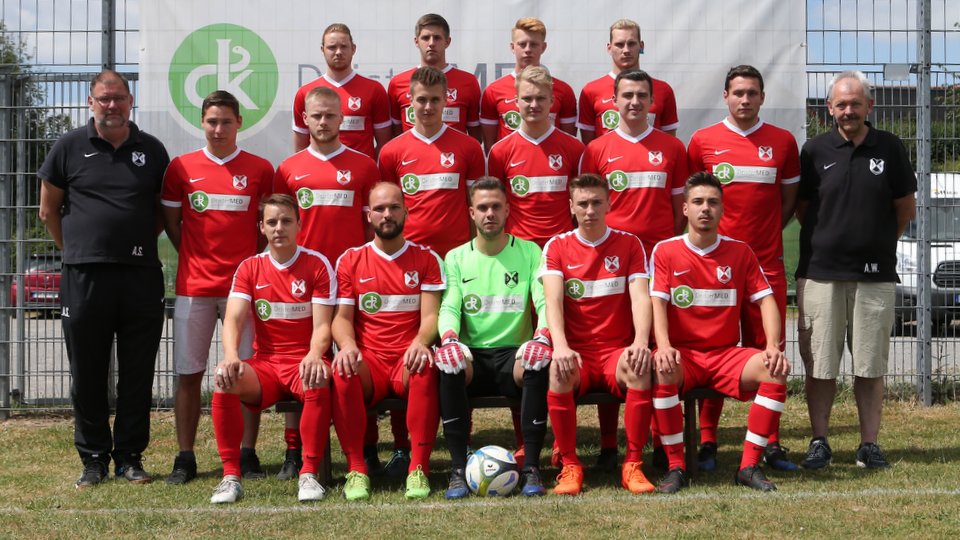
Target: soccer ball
x,y
492,472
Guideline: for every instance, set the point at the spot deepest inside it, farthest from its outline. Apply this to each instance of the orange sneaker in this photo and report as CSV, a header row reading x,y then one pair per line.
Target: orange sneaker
x,y
632,478
570,480
556,460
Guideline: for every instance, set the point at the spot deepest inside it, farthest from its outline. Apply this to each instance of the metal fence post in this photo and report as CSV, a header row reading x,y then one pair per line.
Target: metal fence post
x,y
924,144
108,34
5,203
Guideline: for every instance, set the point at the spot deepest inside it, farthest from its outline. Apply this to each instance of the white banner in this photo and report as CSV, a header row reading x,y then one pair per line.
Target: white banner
x,y
263,52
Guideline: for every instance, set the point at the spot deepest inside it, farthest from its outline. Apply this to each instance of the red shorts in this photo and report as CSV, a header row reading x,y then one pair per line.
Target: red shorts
x,y
751,323
279,378
599,372
386,374
719,369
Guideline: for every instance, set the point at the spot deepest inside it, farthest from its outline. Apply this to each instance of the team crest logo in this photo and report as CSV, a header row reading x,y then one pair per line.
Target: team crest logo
x,y
447,159
612,264
199,201
263,308
343,177
575,288
876,166
371,302
140,159
765,153
724,274
411,278
451,95
353,103
655,158
618,180
472,304
556,161
298,287
410,184
682,296
520,185
511,279
240,181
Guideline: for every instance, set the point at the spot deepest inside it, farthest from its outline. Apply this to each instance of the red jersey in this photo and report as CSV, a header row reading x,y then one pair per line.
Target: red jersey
x,y
332,193
499,105
434,174
220,201
598,108
536,172
752,165
364,105
386,292
596,276
463,99
704,289
281,298
644,173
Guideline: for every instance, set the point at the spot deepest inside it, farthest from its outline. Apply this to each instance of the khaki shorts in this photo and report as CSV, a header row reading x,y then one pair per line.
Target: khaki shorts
x,y
194,319
859,311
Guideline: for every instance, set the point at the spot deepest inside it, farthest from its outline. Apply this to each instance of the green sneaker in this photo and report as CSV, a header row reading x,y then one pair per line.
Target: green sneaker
x,y
357,486
418,487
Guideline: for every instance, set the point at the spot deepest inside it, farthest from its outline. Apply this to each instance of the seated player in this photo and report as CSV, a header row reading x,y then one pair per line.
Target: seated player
x,y
385,325
291,291
699,282
486,321
598,311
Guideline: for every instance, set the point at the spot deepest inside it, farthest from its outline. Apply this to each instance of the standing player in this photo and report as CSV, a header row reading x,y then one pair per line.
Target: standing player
x,y
759,166
598,310
461,103
499,112
210,202
434,165
366,110
698,283
486,316
597,110
385,326
536,162
291,291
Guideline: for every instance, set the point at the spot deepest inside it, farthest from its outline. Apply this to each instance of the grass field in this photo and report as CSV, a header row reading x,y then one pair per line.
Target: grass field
x,y
917,498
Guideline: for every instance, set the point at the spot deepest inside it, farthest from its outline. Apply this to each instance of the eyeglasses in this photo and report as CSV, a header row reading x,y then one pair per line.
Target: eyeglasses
x,y
105,100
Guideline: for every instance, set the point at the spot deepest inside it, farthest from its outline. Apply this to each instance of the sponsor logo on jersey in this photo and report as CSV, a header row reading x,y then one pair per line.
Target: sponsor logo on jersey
x,y
520,185
683,297
263,309
451,95
724,274
876,166
556,161
512,119
655,158
410,184
618,180
240,181
353,103
305,197
574,288
724,172
447,159
511,279
371,302
343,177
612,264
610,120
298,287
765,153
411,278
199,201
472,304
411,117
140,159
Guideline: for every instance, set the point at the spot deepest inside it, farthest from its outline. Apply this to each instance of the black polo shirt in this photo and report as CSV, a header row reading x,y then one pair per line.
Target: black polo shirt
x,y
849,232
110,204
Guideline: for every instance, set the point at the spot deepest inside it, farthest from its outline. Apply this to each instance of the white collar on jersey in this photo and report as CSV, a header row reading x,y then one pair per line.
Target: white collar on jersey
x,y
602,239
381,253
327,157
444,70
217,160
282,266
338,84
701,252
429,140
539,140
633,139
741,132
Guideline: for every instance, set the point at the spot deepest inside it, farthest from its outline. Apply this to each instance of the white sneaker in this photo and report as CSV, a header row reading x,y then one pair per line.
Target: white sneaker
x,y
310,489
228,490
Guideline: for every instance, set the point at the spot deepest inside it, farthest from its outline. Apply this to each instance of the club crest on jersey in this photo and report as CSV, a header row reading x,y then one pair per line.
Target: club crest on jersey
x,y
612,264
343,177
240,181
724,274
411,278
765,153
353,103
139,159
298,287
655,158
511,279
556,161
447,159
451,95
876,166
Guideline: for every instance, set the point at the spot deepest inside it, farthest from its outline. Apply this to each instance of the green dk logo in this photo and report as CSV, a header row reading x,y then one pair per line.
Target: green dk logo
x,y
224,57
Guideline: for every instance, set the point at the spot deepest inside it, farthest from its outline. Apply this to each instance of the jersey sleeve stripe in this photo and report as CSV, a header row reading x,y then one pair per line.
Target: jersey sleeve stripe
x,y
241,296
438,287
761,294
787,181
323,301
171,204
346,301
638,275
661,295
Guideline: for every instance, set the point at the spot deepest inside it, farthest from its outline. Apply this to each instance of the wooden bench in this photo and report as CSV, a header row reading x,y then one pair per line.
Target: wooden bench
x,y
691,432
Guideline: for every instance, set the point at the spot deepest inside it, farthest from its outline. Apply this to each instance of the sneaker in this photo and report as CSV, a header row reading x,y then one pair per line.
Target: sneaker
x,y
418,486
869,456
607,461
184,470
775,456
819,455
357,486
457,488
633,479
753,477
94,472
131,468
228,490
532,483
660,460
292,462
310,489
674,481
372,458
250,467
570,480
399,463
707,457
556,460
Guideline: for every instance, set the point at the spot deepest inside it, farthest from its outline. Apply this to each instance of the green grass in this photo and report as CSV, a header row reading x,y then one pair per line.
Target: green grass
x,y
791,252
917,498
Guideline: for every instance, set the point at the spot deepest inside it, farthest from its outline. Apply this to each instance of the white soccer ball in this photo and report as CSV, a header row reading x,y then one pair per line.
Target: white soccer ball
x,y
492,472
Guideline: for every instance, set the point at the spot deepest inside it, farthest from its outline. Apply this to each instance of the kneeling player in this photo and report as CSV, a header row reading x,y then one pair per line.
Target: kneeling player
x,y
385,325
699,283
598,310
291,290
486,315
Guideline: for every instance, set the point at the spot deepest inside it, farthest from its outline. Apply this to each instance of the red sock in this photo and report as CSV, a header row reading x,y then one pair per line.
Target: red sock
x,y
666,405
398,426
762,420
710,410
315,427
423,417
372,433
563,418
637,411
347,406
655,432
775,436
608,415
291,436
228,430
517,428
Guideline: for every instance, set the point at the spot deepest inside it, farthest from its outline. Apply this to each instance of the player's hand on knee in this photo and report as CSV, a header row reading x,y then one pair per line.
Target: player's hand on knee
x,y
313,371
228,373
452,356
638,358
417,357
347,362
566,361
776,362
666,360
536,354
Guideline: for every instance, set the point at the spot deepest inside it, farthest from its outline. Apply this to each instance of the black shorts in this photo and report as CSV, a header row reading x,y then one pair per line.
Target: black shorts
x,y
493,373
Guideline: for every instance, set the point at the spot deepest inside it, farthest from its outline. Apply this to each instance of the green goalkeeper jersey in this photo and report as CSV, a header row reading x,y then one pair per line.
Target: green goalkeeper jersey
x,y
487,300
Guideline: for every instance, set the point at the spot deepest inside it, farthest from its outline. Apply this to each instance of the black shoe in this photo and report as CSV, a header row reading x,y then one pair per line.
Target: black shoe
x,y
292,463
250,468
753,477
819,455
775,456
607,461
94,472
131,468
457,488
675,479
184,470
532,483
399,463
372,458
869,456
707,457
660,460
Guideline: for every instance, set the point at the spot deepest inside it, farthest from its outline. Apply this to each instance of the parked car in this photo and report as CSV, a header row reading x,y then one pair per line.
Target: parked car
x,y
41,284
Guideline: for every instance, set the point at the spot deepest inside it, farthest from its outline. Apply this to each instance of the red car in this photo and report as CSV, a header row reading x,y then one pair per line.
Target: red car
x,y
41,284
